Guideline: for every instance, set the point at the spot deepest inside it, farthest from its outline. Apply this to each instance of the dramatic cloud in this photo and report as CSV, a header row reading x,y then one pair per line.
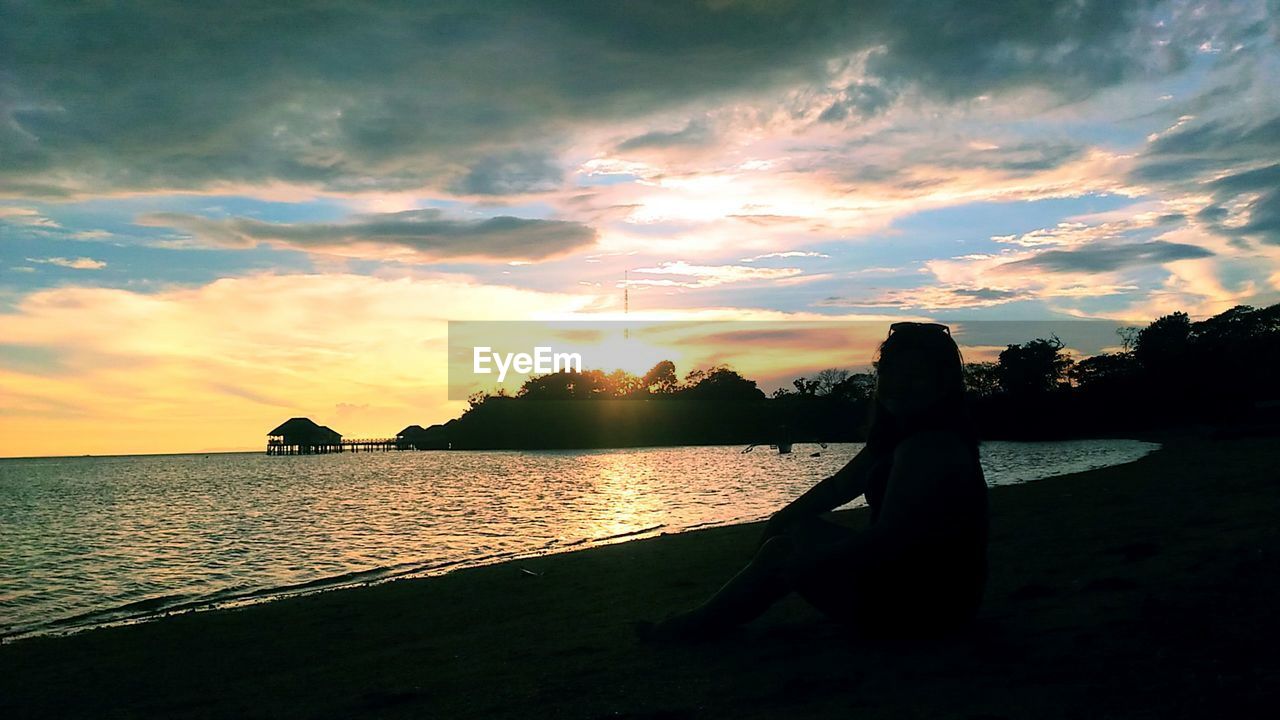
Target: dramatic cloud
x,y
1145,279
1073,234
396,96
511,173
695,133
24,216
1020,157
786,254
708,275
1234,159
80,263
1106,258
411,236
857,100
930,298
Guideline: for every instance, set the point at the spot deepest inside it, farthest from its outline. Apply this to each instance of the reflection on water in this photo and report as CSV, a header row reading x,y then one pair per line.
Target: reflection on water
x,y
92,540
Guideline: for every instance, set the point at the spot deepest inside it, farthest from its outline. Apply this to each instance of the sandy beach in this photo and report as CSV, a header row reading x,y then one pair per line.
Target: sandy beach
x,y
1145,590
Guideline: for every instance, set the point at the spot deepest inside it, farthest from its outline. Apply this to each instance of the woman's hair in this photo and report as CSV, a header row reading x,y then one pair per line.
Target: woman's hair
x,y
928,345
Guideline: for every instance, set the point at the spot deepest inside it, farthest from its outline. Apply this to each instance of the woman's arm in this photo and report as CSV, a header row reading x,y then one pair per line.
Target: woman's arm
x,y
848,483
915,504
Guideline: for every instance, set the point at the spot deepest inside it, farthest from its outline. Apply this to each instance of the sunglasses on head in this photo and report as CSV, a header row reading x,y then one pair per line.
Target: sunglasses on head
x,y
919,327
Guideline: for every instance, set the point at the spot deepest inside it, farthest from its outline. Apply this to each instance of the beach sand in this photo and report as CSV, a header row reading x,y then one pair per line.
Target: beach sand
x,y
1146,590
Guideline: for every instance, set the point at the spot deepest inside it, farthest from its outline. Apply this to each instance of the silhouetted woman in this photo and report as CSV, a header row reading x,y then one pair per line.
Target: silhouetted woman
x,y
920,565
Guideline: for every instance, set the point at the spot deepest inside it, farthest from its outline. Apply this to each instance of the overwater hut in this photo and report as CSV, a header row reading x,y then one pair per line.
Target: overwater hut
x,y
409,438
331,436
416,437
302,436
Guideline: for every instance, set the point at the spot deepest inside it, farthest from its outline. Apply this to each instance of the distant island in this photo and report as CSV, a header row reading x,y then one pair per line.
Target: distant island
x,y
1174,371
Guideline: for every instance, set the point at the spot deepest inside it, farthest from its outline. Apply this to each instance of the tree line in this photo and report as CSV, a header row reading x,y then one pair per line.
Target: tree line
x,y
1173,371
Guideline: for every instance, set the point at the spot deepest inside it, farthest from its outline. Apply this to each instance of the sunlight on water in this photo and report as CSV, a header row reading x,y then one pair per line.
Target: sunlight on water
x,y
94,540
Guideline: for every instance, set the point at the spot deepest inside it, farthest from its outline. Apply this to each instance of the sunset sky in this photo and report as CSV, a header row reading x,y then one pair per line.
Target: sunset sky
x,y
215,218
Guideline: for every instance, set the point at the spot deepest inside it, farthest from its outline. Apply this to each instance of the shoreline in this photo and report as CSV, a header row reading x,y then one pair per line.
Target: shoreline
x,y
65,627
1146,586
177,602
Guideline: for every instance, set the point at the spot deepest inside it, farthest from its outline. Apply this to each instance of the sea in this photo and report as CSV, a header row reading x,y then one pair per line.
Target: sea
x,y
94,541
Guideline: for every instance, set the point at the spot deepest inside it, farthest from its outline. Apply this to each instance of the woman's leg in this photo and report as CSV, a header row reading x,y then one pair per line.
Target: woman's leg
x,y
812,532
745,596
757,586
835,591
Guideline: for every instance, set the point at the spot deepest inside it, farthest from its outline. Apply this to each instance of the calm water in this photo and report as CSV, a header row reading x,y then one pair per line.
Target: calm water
x,y
89,541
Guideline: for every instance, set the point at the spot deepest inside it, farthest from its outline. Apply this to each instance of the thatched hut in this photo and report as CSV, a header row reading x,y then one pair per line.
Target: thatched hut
x,y
302,436
409,437
416,437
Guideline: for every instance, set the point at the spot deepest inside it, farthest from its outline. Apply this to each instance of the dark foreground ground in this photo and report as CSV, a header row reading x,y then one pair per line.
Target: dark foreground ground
x,y
1142,591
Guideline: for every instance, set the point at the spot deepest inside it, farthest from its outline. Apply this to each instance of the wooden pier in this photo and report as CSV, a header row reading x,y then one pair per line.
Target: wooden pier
x,y
368,445
276,447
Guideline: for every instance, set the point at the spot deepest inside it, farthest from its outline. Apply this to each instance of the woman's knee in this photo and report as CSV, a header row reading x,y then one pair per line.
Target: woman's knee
x,y
776,551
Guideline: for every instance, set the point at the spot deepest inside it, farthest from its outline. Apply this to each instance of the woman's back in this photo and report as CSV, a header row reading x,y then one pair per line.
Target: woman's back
x,y
930,497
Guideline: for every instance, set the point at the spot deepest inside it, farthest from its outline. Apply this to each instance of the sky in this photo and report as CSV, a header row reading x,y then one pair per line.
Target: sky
x,y
214,217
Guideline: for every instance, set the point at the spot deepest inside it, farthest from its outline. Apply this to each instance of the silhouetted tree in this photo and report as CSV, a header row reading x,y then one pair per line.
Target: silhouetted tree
x,y
724,384
1107,371
565,385
857,387
1128,338
693,377
1239,350
1033,367
982,379
1163,344
661,378
1229,329
622,384
804,386
828,380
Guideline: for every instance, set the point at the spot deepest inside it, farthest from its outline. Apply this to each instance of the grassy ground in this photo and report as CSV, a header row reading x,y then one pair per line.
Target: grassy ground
x,y
1141,591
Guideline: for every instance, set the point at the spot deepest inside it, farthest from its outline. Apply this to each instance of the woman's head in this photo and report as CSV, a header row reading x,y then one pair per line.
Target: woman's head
x,y
919,365
920,377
